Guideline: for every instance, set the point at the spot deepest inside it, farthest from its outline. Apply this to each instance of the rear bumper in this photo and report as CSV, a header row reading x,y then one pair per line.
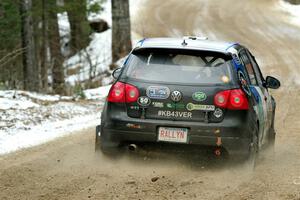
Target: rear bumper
x,y
235,144
235,134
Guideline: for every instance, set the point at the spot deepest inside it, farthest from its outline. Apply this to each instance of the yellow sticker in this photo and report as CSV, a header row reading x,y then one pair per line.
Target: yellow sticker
x,y
225,79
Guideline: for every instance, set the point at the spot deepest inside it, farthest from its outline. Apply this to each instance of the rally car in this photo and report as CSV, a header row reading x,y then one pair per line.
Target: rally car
x,y
191,91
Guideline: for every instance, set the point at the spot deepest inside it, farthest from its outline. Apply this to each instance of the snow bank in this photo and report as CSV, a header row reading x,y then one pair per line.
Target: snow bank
x,y
18,139
6,104
28,119
23,95
97,93
96,56
24,123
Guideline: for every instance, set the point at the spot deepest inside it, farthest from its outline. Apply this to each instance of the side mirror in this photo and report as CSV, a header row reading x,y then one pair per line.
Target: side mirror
x,y
116,73
272,82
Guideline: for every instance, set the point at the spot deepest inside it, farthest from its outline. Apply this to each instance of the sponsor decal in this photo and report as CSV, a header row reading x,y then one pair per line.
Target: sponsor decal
x,y
176,96
218,113
158,92
134,126
134,107
199,96
225,79
144,101
255,94
236,59
244,83
191,106
158,104
175,105
167,113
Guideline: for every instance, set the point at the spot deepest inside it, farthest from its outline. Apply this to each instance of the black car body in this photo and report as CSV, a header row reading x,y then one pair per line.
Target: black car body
x,y
192,91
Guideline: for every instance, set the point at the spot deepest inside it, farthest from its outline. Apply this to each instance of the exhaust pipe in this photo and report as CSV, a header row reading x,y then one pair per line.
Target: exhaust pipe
x,y
132,147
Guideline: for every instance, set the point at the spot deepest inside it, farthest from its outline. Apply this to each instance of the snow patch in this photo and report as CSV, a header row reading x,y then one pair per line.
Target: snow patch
x,y
24,123
92,61
97,93
6,104
45,132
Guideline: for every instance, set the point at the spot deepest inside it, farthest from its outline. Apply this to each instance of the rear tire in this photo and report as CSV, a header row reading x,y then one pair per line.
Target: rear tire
x,y
108,148
253,150
270,150
272,136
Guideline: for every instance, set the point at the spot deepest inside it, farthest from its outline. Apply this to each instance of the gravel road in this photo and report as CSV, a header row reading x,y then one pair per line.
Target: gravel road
x,y
68,168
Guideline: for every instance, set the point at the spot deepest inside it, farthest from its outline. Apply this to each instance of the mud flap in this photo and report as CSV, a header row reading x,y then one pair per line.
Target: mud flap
x,y
98,128
97,138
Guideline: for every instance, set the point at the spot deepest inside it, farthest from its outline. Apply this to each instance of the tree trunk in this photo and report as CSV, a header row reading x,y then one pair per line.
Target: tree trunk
x,y
45,46
30,69
121,30
57,58
77,14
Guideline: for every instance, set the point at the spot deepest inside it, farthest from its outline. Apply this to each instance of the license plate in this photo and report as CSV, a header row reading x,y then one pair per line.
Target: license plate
x,y
167,134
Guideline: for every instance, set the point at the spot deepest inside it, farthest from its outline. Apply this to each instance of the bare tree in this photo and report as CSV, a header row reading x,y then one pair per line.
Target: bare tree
x,y
121,30
30,68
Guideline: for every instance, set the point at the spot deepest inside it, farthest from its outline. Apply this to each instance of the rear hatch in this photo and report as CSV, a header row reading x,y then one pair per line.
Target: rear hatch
x,y
177,85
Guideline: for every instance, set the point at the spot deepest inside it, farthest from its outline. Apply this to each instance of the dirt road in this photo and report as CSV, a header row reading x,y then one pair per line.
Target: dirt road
x,y
69,169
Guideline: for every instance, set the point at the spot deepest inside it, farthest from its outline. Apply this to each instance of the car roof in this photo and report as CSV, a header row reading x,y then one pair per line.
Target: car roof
x,y
187,42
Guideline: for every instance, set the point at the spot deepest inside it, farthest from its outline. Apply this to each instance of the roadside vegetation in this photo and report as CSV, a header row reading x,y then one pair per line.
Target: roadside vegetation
x,y
46,45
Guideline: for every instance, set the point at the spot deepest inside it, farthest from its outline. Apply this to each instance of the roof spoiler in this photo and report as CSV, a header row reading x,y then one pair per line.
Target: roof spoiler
x,y
184,43
195,38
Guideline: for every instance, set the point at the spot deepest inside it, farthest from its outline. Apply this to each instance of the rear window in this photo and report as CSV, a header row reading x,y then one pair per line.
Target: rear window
x,y
178,66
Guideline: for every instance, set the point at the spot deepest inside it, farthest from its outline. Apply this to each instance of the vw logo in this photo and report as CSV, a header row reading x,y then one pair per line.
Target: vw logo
x,y
176,96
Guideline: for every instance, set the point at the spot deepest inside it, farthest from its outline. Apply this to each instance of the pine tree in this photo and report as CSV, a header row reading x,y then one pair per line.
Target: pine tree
x,y
80,29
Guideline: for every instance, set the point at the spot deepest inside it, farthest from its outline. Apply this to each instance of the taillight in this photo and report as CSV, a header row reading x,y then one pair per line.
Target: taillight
x,y
132,93
221,99
232,99
117,93
123,93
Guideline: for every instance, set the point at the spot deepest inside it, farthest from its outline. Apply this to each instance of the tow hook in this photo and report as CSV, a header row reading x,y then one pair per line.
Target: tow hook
x,y
217,151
